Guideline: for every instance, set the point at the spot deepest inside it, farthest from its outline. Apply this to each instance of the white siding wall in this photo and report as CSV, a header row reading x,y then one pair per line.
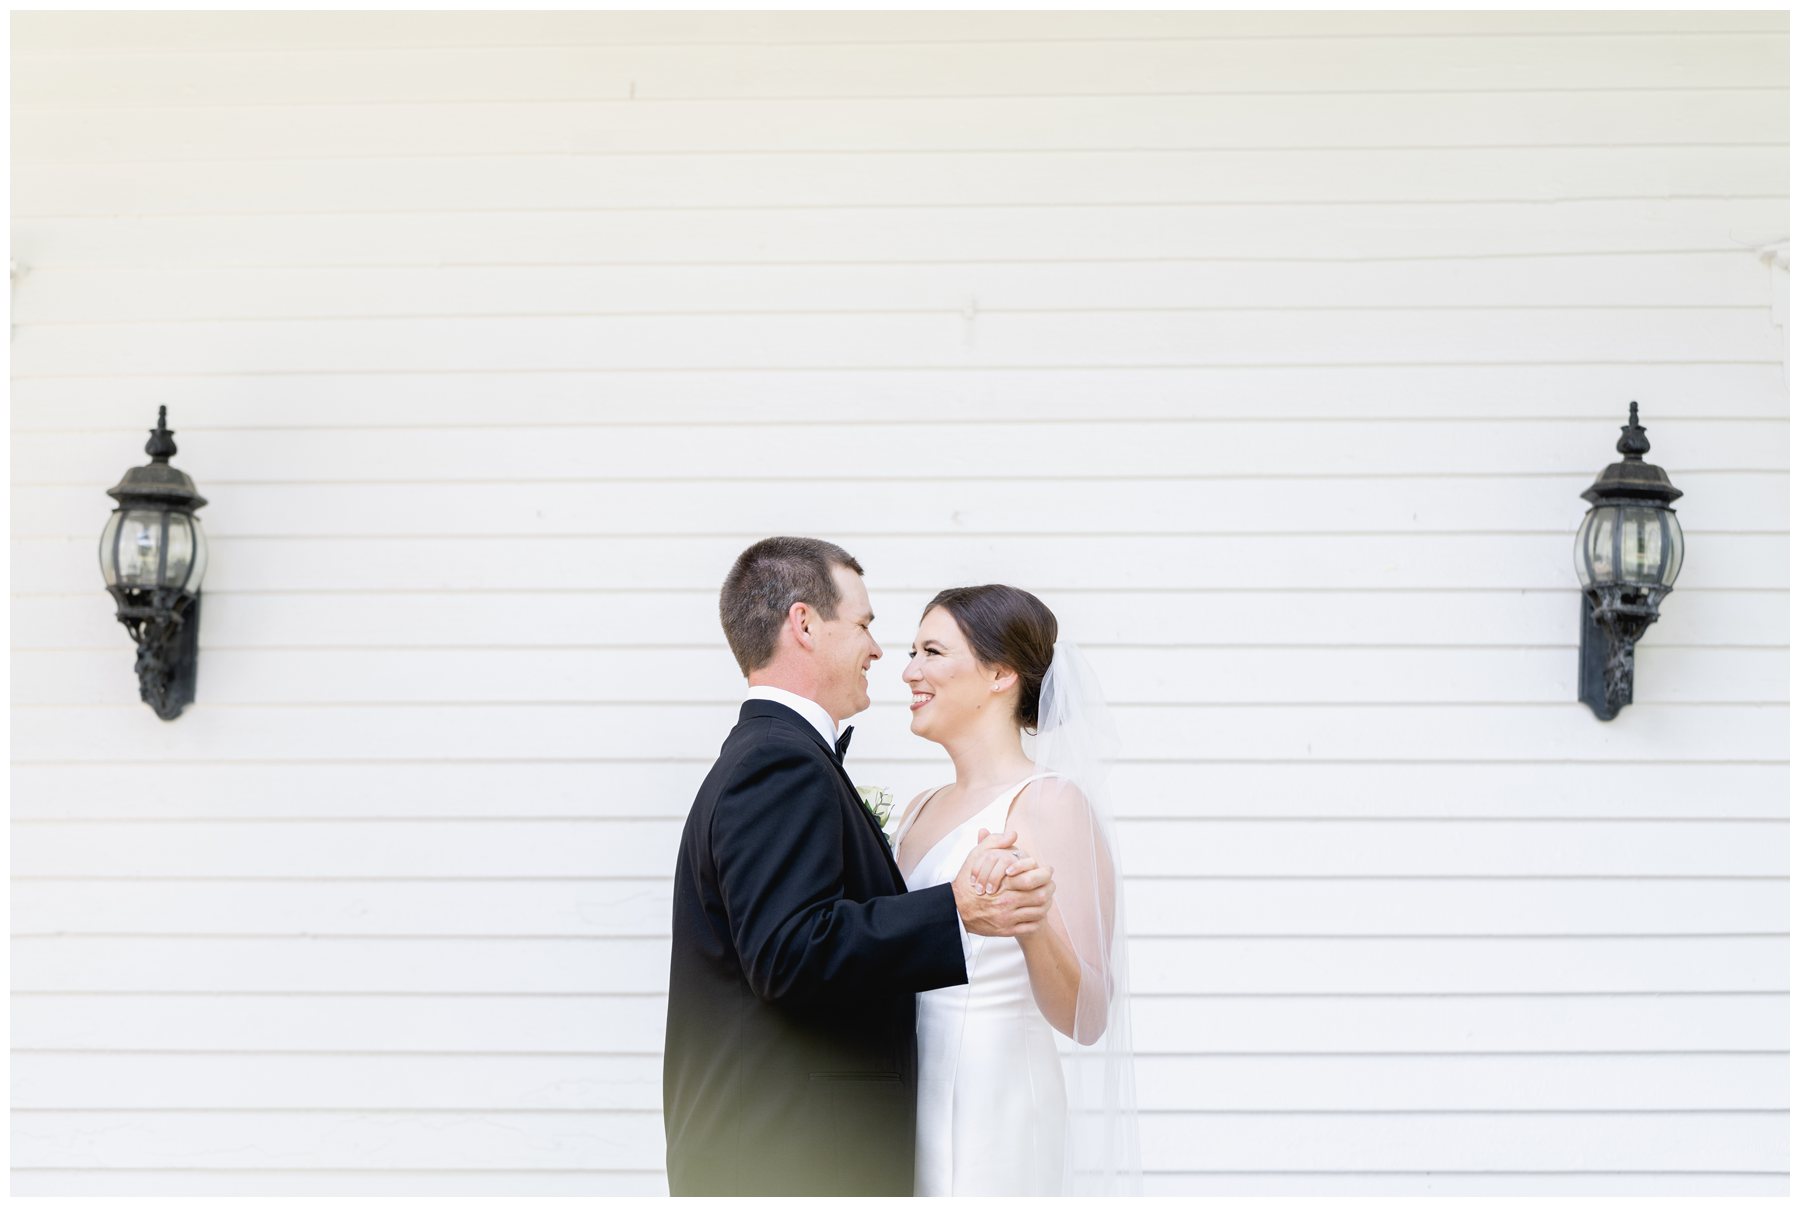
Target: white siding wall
x,y
1273,350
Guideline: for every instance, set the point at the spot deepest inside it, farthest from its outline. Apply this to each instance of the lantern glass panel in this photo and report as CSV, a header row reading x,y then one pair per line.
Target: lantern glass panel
x,y
139,549
198,570
1594,552
1676,546
181,551
1647,554
109,564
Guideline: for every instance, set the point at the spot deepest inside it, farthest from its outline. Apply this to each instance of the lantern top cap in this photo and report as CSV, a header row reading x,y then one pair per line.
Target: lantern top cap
x,y
158,484
1633,480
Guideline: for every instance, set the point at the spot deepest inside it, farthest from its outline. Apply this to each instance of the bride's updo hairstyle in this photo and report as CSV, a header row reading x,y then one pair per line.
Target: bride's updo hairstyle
x,y
1006,627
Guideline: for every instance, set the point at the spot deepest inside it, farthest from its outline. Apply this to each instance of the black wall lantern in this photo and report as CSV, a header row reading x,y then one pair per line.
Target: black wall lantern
x,y
1627,555
153,556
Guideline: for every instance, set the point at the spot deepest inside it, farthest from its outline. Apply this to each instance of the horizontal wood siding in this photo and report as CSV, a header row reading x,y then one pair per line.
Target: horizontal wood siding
x,y
1273,349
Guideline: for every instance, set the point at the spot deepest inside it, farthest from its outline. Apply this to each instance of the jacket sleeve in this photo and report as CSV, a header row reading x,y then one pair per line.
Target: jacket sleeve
x,y
778,845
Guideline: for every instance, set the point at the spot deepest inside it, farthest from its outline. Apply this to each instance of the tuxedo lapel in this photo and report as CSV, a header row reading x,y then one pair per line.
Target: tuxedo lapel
x,y
881,838
768,708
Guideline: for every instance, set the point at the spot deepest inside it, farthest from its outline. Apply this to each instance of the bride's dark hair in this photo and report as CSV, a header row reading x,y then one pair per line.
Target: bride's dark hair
x,y
1006,627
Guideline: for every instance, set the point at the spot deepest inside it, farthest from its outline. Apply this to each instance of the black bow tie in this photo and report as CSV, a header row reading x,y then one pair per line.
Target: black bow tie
x,y
843,742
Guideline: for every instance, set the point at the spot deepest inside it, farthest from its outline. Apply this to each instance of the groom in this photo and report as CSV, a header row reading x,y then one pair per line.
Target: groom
x,y
790,1064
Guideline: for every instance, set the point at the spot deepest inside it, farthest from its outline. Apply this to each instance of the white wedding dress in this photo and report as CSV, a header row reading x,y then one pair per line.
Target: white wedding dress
x,y
992,1108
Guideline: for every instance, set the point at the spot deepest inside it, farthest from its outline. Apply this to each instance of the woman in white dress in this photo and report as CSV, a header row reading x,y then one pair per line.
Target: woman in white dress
x,y
1025,1080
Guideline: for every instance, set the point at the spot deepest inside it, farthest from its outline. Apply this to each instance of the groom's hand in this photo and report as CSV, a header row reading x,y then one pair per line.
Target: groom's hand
x,y
1020,906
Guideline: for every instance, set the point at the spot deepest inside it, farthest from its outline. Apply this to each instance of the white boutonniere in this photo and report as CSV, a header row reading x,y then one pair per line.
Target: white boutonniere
x,y
880,803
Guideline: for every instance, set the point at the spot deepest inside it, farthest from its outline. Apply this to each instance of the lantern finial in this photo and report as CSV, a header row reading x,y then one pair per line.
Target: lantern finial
x,y
162,440
1634,443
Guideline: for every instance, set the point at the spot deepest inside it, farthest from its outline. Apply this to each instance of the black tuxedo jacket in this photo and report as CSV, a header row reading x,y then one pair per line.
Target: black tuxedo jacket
x,y
790,1065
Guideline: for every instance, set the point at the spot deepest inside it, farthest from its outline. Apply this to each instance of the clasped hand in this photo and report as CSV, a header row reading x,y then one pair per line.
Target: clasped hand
x,y
1000,891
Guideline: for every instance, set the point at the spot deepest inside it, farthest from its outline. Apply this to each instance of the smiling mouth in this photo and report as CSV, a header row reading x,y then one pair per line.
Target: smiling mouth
x,y
920,700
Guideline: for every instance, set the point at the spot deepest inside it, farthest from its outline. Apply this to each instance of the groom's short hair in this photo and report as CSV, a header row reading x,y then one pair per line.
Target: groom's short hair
x,y
768,579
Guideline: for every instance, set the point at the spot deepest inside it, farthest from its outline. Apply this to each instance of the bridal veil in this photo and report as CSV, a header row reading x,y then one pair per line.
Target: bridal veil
x,y
1073,832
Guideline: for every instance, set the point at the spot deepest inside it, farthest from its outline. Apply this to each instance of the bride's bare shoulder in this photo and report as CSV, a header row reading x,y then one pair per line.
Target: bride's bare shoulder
x,y
918,802
924,796
1053,795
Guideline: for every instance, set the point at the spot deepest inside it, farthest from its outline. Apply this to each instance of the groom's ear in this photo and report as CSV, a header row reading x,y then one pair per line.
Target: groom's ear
x,y
800,619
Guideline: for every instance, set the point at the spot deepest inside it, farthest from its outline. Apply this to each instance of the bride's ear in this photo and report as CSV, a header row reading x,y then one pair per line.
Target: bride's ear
x,y
1003,678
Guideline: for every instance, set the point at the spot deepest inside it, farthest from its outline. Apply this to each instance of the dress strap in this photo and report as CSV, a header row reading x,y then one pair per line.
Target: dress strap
x,y
1011,798
912,815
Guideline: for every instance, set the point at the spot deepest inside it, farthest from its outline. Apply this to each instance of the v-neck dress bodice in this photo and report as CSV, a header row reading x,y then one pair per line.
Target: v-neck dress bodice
x,y
991,1101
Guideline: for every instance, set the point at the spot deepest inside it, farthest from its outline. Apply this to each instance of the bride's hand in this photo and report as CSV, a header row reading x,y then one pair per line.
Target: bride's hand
x,y
994,865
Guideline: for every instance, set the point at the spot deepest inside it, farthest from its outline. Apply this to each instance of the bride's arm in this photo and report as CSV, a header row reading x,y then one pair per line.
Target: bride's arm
x,y
1055,972
1050,958
1057,831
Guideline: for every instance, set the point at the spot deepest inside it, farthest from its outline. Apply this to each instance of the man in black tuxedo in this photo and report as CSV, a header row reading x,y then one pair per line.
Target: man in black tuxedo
x,y
790,1065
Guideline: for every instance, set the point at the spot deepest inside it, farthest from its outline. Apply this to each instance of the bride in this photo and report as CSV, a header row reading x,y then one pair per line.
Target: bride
x,y
1025,1078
